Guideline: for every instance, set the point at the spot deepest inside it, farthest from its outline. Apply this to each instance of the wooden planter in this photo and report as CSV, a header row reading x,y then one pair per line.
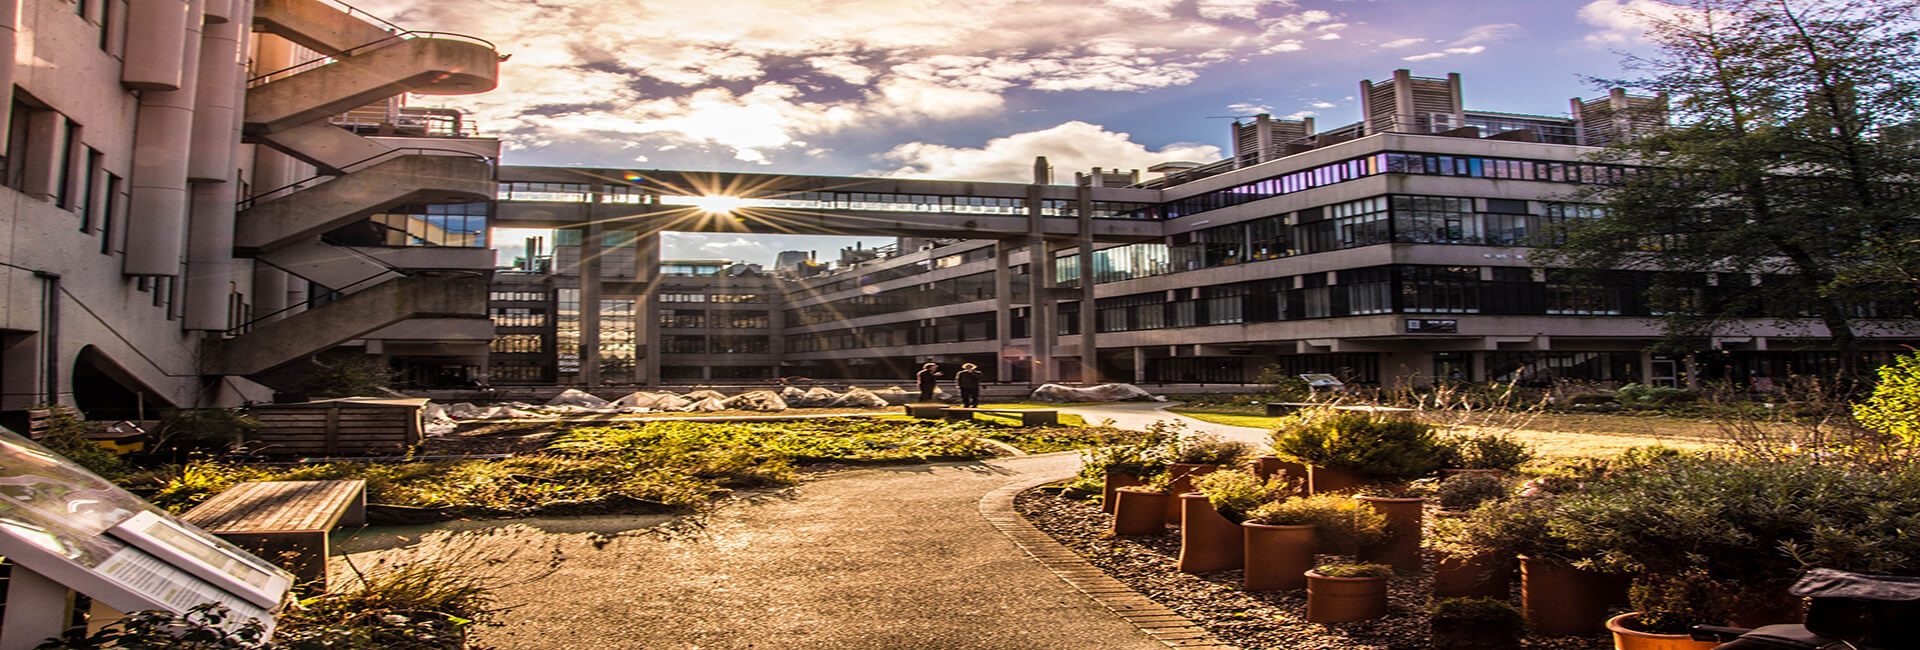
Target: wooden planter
x,y
1183,474
1404,517
1138,512
1208,541
1345,600
1267,466
1480,576
1562,600
1277,558
1625,638
1115,481
1333,480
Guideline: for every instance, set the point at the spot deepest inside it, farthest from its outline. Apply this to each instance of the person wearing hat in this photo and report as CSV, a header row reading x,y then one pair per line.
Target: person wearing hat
x,y
928,378
969,381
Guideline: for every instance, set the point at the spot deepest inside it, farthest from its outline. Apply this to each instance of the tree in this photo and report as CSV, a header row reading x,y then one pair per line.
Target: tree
x,y
1790,167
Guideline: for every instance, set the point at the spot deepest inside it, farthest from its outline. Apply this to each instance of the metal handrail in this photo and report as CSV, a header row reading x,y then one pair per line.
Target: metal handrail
x,y
349,168
402,35
243,327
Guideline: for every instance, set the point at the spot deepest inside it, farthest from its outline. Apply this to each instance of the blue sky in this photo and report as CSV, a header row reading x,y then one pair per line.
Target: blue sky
x,y
974,90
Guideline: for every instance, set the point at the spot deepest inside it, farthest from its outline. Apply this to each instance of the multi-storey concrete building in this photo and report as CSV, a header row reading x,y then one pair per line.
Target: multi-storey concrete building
x,y
1391,250
203,197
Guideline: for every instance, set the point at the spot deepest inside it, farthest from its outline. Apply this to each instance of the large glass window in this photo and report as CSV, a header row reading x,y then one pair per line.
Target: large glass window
x,y
462,225
1435,220
1440,289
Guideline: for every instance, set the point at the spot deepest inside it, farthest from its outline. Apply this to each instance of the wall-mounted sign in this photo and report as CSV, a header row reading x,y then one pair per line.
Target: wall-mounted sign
x,y
1432,326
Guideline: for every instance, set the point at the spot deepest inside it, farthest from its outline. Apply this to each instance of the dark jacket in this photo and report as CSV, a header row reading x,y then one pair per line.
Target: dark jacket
x,y
927,378
968,379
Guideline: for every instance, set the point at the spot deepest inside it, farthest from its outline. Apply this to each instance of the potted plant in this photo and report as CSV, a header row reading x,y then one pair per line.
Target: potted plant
x,y
1666,608
1460,493
1283,536
1345,450
1142,509
1270,466
1120,466
1196,456
1476,553
1210,536
1476,624
1344,593
1405,516
1485,453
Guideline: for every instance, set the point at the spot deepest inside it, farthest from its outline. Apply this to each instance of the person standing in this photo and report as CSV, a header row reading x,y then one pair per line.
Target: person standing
x,y
929,378
969,381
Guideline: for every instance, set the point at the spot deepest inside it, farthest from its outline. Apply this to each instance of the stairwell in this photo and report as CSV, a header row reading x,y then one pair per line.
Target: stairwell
x,y
277,343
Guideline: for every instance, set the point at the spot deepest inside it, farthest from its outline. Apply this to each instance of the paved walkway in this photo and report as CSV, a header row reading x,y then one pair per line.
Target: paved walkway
x,y
878,558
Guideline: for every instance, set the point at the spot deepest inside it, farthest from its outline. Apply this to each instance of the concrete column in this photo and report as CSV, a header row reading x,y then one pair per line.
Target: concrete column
x,y
1403,101
9,13
163,130
1089,318
590,251
1002,310
649,274
220,12
269,290
222,72
1139,365
1478,363
210,256
1039,305
153,60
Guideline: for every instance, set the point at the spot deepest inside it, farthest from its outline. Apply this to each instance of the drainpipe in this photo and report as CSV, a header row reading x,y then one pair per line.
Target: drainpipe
x,y
163,140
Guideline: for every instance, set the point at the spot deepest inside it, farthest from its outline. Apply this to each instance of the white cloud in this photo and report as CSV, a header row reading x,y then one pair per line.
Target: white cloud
x,y
1299,115
1235,9
1404,42
1626,21
1328,37
1473,42
1070,147
1323,104
1424,57
842,67
1249,108
1161,8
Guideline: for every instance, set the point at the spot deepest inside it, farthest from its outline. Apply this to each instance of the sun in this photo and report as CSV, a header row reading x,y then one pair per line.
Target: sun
x,y
716,204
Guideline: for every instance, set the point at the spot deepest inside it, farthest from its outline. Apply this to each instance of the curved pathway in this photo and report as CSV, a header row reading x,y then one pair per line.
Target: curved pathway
x,y
897,557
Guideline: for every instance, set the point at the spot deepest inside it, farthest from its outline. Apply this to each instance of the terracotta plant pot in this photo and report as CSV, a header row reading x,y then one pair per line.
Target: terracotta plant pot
x,y
1474,635
1345,600
1330,480
1402,549
1479,576
1562,600
1139,512
1115,481
1267,466
1183,474
1625,638
1277,557
1208,541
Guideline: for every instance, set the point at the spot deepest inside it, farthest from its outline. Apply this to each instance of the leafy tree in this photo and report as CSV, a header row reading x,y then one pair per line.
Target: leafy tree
x,y
1894,407
1794,145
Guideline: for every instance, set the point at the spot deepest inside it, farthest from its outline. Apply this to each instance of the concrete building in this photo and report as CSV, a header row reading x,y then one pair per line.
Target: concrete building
x,y
203,198
1392,250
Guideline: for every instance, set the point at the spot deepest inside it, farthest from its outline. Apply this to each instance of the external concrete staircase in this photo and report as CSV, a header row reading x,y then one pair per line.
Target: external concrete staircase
x,y
300,335
328,205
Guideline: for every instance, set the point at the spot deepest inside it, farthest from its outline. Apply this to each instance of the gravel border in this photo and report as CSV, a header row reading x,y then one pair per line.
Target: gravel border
x,y
1214,602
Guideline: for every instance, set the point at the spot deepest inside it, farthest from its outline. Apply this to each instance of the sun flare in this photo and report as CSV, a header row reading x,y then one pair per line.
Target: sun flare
x,y
716,204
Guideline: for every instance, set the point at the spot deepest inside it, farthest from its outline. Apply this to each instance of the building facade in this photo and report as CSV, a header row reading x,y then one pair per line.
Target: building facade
x,y
1390,251
204,198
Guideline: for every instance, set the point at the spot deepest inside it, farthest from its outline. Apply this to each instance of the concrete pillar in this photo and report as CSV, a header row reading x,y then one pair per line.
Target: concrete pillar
x,y
1089,318
153,60
1039,305
162,142
1403,101
590,251
1002,310
221,74
1478,366
649,275
9,13
1139,365
220,12
210,256
269,290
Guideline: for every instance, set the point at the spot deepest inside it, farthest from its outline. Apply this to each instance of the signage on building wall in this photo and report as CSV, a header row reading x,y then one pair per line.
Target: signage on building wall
x,y
1432,326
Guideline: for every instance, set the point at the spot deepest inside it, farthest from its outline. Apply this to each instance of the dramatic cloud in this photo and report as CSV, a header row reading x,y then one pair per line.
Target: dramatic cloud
x,y
1625,21
754,78
1070,147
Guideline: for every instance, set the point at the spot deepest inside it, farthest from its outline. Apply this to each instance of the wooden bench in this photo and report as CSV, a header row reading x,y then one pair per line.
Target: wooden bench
x,y
925,411
1027,417
284,522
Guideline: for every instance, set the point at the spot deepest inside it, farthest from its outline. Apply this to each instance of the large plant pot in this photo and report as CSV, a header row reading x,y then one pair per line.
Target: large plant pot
x,y
1345,600
1208,541
1402,549
1267,466
1562,600
1138,512
1277,558
1333,480
1115,481
1489,575
1183,474
1625,638
1474,635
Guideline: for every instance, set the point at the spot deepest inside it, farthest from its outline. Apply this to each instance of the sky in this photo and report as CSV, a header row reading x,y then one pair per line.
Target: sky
x,y
976,89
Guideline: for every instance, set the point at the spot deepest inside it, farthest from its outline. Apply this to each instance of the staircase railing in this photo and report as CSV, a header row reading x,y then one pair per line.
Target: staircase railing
x,y
351,167
402,35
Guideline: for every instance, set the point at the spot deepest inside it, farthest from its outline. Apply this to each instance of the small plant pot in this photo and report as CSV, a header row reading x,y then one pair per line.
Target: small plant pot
x,y
1488,575
1183,474
1208,541
1474,635
1267,466
1560,599
1345,600
1333,480
1115,481
1138,512
1402,549
1277,558
1627,638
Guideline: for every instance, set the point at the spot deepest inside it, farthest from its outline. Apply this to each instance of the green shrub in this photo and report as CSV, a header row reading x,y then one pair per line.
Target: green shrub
x,y
1894,407
1644,396
1505,526
203,429
1341,525
1354,570
1236,492
1674,604
1211,450
204,627
1390,447
1467,491
1146,456
1488,451
422,605
66,434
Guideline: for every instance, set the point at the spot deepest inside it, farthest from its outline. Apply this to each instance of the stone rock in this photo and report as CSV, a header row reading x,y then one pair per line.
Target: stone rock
x,y
759,400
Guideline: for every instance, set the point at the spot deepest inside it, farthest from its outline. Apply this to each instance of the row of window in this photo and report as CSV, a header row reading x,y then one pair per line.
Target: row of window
x,y
966,288
722,319
973,327
517,296
681,344
460,225
722,298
